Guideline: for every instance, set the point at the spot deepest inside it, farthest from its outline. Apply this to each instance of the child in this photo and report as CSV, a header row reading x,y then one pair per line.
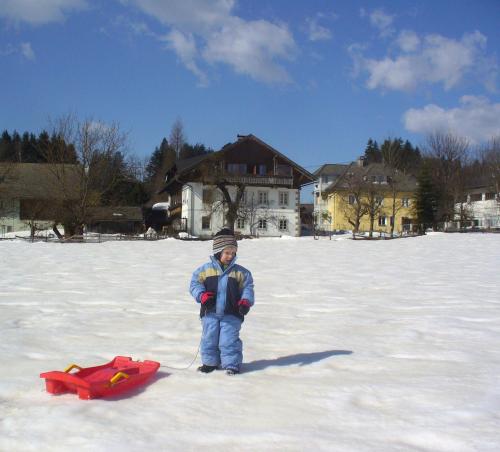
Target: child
x,y
225,291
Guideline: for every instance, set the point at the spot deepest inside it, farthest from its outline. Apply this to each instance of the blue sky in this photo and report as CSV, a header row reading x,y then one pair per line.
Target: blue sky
x,y
314,79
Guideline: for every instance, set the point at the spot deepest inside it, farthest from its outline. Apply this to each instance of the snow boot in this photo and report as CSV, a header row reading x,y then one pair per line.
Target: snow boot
x,y
231,371
206,368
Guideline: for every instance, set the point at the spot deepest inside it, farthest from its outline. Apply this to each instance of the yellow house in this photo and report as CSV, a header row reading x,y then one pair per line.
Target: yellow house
x,y
373,198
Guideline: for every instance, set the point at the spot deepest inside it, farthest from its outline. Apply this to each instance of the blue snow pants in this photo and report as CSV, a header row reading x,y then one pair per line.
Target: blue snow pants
x,y
220,341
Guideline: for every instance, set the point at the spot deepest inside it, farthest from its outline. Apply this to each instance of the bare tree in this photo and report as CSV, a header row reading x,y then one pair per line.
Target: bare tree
x,y
99,149
372,200
448,154
490,159
177,138
353,206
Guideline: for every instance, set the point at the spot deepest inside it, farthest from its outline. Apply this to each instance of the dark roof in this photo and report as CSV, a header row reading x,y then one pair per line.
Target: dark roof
x,y
329,169
115,213
406,182
39,181
183,167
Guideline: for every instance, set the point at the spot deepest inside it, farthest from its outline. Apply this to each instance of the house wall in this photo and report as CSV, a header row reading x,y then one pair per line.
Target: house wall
x,y
10,220
337,207
194,209
484,213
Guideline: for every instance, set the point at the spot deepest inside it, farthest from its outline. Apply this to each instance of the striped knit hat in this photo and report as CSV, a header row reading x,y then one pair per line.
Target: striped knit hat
x,y
222,239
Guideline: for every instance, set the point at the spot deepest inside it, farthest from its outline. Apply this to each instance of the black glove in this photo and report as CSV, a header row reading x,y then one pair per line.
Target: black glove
x,y
243,307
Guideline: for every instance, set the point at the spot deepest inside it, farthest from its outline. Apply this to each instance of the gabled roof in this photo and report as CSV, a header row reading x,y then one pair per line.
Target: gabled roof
x,y
183,167
329,169
43,181
406,182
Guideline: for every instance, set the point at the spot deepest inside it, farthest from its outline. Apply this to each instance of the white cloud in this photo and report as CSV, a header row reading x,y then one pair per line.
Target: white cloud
x,y
315,31
23,49
408,41
380,20
203,31
27,51
38,12
251,48
185,47
477,119
432,59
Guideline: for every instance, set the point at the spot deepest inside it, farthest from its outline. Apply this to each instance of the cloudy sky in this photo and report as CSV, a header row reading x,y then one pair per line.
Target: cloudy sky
x,y
315,79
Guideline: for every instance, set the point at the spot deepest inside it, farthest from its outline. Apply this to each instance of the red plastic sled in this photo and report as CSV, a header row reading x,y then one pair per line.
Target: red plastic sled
x,y
112,378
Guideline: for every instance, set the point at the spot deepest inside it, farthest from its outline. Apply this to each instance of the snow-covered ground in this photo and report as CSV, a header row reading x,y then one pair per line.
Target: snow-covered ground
x,y
351,346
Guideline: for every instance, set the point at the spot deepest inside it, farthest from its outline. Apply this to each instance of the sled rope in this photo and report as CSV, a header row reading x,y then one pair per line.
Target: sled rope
x,y
190,364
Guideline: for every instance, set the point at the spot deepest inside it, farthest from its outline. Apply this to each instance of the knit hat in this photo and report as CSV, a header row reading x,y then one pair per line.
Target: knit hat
x,y
222,239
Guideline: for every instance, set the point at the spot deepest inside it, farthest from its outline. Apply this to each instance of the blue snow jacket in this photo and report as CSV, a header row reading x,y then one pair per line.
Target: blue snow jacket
x,y
229,285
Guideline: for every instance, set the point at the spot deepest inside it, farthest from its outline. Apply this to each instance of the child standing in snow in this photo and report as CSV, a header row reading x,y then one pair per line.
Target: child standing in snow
x,y
225,292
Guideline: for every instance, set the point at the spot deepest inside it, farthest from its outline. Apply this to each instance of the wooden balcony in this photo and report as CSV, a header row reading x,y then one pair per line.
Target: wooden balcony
x,y
250,179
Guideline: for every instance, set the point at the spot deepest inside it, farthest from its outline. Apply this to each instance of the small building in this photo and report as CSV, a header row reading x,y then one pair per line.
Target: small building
x,y
269,183
115,220
482,205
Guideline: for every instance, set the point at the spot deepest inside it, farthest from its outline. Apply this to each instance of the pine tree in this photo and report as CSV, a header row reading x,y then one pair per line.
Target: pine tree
x,y
425,199
372,152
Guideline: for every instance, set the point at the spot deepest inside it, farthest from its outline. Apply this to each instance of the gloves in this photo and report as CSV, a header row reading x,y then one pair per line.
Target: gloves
x,y
243,307
208,299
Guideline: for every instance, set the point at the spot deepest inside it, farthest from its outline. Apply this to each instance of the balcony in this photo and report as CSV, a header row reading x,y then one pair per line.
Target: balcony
x,y
251,179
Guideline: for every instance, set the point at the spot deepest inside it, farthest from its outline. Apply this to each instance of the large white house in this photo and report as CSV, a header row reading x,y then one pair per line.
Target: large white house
x,y
270,184
483,207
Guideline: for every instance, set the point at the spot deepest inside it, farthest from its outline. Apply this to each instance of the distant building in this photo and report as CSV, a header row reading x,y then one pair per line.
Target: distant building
x,y
33,193
325,176
270,205
389,194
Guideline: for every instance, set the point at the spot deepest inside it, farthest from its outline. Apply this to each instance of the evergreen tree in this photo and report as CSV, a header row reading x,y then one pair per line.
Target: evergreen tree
x,y
426,199
372,152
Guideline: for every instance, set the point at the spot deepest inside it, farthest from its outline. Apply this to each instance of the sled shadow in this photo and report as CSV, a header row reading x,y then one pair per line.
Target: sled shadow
x,y
302,359
134,392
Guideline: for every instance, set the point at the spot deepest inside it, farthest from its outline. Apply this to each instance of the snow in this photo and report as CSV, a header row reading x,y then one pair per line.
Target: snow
x,y
351,346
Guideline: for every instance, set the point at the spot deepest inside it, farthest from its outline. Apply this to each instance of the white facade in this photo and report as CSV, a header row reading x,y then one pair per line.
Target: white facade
x,y
484,209
265,211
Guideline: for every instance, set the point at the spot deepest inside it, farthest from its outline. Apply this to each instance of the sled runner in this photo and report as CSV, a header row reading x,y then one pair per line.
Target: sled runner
x,y
121,374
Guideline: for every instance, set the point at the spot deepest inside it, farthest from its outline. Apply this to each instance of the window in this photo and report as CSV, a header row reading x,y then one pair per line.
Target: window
x,y
283,225
263,198
382,220
352,199
489,195
476,197
391,219
205,222
237,168
262,224
262,170
283,198
379,200
405,202
240,223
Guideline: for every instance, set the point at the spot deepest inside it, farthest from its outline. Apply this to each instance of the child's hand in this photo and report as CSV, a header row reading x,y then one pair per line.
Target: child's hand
x,y
243,307
207,297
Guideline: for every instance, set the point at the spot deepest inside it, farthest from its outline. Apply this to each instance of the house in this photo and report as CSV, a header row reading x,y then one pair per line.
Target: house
x,y
32,193
115,219
482,205
269,183
371,197
325,176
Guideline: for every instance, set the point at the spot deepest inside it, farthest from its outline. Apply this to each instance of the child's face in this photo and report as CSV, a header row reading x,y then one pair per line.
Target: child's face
x,y
227,255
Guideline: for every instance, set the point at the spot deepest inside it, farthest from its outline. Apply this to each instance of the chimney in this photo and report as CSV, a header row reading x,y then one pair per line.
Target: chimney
x,y
361,161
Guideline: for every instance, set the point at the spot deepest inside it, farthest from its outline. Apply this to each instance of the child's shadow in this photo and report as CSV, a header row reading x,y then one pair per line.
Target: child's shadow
x,y
301,359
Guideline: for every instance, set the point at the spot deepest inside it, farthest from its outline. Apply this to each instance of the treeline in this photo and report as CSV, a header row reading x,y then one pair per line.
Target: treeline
x,y
127,180
447,168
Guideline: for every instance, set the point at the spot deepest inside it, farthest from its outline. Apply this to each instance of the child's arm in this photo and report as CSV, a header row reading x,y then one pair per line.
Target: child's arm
x,y
197,287
247,292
